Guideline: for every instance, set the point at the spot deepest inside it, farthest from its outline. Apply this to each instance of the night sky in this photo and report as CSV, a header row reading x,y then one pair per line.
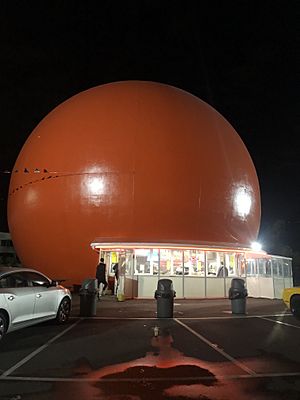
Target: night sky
x,y
239,56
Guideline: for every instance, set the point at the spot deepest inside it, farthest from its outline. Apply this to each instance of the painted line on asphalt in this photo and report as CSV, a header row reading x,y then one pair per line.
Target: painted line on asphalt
x,y
116,318
154,379
37,351
188,318
275,321
216,348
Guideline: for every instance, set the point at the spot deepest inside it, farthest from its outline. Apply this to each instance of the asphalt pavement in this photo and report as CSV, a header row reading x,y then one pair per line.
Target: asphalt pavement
x,y
126,352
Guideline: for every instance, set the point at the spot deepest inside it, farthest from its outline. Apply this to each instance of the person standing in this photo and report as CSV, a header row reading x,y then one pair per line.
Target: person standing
x,y
101,276
116,271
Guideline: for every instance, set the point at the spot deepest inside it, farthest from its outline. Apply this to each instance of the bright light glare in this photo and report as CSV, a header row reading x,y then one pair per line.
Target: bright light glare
x,y
96,186
242,201
256,246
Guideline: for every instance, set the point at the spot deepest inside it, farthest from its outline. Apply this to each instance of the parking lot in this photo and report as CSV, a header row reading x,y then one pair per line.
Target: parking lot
x,y
125,352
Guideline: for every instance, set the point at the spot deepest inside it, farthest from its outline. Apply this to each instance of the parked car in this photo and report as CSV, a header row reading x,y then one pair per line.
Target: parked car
x,y
28,297
291,298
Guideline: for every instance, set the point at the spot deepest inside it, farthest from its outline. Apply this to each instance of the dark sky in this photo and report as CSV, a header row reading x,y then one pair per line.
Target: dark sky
x,y
239,56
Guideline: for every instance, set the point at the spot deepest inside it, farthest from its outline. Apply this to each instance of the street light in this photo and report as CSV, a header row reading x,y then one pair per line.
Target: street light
x,y
256,246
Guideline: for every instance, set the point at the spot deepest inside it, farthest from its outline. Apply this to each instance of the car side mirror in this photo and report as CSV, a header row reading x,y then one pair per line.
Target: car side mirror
x,y
53,283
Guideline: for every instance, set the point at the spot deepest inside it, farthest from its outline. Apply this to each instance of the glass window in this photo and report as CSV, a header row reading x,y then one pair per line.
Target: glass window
x,y
222,265
6,243
37,279
142,261
113,261
275,267
261,267
212,263
4,282
155,261
287,268
280,267
255,267
251,267
194,262
16,280
248,268
200,266
268,268
177,263
241,264
230,264
165,262
128,262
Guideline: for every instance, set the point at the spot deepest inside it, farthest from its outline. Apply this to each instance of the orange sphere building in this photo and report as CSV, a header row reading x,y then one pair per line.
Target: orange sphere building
x,y
129,162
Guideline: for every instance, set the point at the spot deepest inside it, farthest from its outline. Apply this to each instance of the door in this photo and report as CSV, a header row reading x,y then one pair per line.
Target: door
x,y
20,298
46,296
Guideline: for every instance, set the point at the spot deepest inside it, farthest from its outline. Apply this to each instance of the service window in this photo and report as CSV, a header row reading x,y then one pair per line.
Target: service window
x,y
287,268
251,267
166,265
268,268
142,261
177,263
261,267
212,263
275,267
280,268
194,262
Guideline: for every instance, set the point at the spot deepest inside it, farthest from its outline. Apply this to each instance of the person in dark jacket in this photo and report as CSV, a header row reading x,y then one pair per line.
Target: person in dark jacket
x,y
101,276
116,271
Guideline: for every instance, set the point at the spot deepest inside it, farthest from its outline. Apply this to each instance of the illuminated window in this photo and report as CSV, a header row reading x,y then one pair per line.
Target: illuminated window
x,y
177,263
165,262
268,268
212,263
142,261
194,262
287,268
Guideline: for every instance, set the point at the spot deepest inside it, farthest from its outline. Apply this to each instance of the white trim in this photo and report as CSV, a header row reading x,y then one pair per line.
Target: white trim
x,y
37,351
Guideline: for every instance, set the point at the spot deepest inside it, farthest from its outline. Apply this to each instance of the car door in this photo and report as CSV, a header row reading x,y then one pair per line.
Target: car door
x,y
19,297
46,296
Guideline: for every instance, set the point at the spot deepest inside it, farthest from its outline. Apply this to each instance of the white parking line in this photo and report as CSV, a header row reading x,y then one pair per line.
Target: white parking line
x,y
154,379
275,321
37,351
237,316
118,318
216,348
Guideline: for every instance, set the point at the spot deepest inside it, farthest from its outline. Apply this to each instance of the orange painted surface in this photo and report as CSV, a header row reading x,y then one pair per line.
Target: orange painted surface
x,y
141,161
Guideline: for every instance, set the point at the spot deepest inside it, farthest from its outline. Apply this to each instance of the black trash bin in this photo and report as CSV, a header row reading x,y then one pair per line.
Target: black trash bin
x,y
164,296
238,294
88,297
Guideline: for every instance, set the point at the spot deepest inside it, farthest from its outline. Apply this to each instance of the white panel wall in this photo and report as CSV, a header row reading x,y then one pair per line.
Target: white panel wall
x,y
278,288
266,288
215,287
147,286
194,287
177,283
288,282
253,286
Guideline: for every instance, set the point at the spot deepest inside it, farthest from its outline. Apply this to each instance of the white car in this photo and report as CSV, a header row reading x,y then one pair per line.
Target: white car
x,y
28,297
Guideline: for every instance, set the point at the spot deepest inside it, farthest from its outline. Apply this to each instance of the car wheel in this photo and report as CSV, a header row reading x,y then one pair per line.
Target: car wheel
x,y
3,324
295,306
64,311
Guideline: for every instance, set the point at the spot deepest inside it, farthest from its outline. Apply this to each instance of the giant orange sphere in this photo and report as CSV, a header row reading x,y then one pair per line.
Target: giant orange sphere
x,y
129,162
